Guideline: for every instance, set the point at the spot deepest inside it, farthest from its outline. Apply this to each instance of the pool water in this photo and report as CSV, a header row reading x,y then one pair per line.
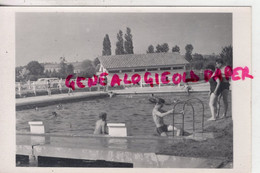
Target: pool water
x,y
78,118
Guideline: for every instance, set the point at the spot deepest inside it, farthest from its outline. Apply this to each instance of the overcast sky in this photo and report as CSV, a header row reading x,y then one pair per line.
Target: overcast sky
x,y
45,37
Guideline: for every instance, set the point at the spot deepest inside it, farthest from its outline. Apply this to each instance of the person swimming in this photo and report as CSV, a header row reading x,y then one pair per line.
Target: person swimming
x,y
111,94
59,107
54,114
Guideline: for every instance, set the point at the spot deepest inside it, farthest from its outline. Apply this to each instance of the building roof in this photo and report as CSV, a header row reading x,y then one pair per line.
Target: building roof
x,y
142,60
57,65
51,65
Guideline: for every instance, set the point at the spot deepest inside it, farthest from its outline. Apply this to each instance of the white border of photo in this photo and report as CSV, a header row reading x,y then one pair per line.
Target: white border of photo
x,y
241,90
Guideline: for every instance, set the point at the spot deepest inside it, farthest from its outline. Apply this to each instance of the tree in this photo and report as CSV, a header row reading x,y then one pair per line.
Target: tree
x,y
189,48
150,49
162,48
96,62
21,73
63,67
18,71
35,68
158,48
188,55
70,69
197,61
106,46
24,72
227,55
210,60
88,68
165,47
129,48
176,49
120,44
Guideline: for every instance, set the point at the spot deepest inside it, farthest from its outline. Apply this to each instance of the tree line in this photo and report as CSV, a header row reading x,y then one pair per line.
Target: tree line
x,y
124,45
35,70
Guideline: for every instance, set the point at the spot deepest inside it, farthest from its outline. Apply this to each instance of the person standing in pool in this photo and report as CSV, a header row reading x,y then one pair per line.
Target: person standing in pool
x,y
158,115
101,124
218,87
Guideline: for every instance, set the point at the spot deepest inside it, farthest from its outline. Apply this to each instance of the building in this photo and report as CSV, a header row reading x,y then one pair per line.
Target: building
x,y
140,63
56,67
50,67
77,67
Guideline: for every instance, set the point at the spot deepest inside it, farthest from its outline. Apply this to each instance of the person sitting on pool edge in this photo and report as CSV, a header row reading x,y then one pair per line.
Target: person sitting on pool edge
x,y
101,124
158,115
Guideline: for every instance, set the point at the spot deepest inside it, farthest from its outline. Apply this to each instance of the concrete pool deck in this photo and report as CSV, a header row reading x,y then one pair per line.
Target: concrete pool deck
x,y
32,102
141,152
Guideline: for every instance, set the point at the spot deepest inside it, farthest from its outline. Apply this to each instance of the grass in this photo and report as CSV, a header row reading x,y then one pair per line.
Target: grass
x,y
219,147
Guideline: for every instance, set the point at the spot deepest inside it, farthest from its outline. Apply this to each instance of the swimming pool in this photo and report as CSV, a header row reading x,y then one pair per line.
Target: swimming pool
x,y
78,118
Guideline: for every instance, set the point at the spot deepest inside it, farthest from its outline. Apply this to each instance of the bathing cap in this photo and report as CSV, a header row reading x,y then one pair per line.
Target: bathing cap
x,y
103,115
160,101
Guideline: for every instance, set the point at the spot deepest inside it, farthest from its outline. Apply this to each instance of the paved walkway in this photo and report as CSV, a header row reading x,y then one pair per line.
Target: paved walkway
x,y
23,103
141,152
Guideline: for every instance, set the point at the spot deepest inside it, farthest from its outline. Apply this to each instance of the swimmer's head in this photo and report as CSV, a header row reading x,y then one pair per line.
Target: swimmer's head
x,y
103,116
54,113
160,102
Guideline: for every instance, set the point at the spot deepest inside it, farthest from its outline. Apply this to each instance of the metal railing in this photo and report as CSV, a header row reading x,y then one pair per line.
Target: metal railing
x,y
189,103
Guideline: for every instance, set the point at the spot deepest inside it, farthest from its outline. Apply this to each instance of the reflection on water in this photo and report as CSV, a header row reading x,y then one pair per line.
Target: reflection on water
x,y
79,117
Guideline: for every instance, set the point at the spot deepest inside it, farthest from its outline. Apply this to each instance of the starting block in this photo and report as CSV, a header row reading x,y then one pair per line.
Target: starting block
x,y
117,129
38,127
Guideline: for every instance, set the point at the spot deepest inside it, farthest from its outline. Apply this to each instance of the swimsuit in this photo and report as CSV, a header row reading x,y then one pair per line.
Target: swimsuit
x,y
162,129
222,86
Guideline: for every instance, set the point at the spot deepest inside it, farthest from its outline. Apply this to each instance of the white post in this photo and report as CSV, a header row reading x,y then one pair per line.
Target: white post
x,y
37,127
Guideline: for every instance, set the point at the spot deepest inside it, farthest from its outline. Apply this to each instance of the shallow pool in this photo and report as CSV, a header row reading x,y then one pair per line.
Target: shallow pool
x,y
135,110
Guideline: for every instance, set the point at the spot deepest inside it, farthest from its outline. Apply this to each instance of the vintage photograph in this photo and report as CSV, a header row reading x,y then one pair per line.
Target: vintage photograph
x,y
124,89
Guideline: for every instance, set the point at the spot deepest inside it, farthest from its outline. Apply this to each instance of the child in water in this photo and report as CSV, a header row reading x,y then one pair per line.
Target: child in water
x,y
158,117
101,124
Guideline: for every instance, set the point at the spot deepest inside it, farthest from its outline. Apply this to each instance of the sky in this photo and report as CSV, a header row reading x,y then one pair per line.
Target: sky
x,y
45,37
